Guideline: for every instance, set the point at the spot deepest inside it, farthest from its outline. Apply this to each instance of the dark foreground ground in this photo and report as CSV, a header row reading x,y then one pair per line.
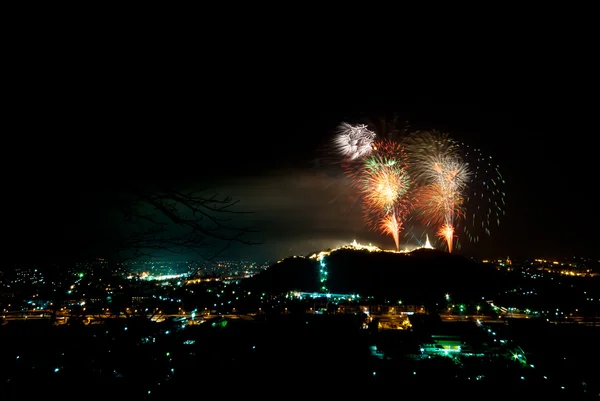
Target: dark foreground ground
x,y
281,357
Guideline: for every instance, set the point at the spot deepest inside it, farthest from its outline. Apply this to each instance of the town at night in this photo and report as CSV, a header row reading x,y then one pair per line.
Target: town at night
x,y
236,228
164,329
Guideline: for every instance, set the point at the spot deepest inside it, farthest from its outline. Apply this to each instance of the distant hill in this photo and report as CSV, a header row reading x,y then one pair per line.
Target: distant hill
x,y
421,276
288,275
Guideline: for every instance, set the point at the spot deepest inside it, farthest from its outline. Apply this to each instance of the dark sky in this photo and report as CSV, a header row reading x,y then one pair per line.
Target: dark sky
x,y
257,139
246,112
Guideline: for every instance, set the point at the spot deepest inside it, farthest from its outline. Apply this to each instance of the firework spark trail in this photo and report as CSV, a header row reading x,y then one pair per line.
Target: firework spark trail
x,y
447,233
391,225
484,198
354,141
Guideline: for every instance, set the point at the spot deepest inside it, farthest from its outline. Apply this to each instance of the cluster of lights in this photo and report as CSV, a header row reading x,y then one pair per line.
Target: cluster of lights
x,y
360,247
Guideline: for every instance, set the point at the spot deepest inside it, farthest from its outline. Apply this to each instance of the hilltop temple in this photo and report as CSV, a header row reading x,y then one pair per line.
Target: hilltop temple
x,y
427,243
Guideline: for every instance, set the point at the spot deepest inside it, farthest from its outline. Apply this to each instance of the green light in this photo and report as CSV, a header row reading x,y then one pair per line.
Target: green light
x,y
323,274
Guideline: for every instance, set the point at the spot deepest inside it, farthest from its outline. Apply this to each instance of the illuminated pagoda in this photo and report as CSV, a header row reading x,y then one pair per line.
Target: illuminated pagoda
x,y
427,243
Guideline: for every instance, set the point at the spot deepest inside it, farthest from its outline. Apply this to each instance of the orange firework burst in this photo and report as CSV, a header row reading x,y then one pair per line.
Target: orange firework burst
x,y
442,176
437,204
384,185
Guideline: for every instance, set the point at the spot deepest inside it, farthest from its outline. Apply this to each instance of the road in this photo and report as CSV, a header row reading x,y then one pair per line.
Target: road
x,y
588,321
62,317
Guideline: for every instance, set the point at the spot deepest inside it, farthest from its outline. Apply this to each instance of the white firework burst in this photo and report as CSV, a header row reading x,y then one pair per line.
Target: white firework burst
x,y
354,141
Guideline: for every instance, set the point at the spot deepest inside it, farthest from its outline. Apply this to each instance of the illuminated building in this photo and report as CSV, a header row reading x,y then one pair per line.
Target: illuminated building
x,y
427,243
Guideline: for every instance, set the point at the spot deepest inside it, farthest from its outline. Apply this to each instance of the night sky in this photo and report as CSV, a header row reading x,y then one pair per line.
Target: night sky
x,y
265,146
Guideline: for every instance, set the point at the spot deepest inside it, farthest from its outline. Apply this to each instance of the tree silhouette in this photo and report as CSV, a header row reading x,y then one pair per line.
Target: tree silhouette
x,y
145,220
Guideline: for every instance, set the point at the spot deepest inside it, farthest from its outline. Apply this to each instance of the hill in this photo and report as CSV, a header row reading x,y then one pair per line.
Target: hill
x,y
422,276
295,273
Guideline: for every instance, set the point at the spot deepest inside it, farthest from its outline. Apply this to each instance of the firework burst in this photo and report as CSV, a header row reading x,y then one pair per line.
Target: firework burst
x,y
384,185
442,183
354,141
442,177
